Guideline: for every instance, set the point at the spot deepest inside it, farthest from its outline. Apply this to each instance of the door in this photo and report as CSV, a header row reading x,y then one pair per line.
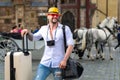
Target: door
x,y
68,19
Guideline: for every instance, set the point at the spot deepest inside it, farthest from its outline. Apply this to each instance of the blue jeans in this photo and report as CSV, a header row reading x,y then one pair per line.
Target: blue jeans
x,y
43,72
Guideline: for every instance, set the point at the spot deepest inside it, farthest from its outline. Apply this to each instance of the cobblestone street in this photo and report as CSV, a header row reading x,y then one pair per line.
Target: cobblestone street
x,y
93,70
98,69
102,69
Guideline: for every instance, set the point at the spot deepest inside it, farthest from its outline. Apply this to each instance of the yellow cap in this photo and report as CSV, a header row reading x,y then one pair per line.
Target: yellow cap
x,y
53,10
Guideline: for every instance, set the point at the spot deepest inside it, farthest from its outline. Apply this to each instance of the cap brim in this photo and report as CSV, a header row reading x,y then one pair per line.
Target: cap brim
x,y
53,13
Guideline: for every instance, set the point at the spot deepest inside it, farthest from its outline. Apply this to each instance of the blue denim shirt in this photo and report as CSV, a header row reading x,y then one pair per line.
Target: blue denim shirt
x,y
54,54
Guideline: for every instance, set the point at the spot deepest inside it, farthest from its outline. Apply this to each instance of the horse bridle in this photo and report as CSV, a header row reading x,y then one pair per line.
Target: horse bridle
x,y
109,30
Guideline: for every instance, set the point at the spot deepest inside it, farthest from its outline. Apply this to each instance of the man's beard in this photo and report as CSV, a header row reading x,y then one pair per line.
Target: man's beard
x,y
54,21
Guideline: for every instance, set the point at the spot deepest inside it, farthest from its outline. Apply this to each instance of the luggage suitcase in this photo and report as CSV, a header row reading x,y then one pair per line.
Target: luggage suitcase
x,y
18,65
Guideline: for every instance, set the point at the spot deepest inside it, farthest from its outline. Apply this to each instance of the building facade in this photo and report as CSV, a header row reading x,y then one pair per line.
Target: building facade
x,y
75,13
105,8
28,13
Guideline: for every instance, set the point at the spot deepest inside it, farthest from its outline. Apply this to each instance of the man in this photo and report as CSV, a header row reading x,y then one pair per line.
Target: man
x,y
55,57
118,39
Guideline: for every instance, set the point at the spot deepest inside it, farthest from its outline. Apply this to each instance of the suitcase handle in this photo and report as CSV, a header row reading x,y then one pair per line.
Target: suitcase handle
x,y
25,44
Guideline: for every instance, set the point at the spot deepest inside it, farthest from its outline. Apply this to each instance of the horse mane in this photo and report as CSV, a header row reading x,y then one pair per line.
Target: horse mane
x,y
84,41
103,23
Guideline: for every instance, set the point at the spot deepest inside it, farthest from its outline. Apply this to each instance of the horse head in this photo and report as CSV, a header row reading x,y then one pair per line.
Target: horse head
x,y
78,34
116,25
113,24
104,22
75,34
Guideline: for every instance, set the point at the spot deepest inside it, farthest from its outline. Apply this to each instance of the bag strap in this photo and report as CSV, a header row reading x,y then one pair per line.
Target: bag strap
x,y
64,36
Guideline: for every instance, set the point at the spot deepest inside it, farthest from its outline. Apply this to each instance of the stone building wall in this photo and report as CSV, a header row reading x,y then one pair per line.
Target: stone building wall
x,y
104,8
119,11
6,18
28,15
21,12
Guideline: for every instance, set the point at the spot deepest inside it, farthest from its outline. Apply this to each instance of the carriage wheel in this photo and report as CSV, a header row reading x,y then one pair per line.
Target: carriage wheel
x,y
6,45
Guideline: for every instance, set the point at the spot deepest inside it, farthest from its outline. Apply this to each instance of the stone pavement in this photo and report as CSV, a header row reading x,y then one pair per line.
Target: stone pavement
x,y
93,70
102,69
98,69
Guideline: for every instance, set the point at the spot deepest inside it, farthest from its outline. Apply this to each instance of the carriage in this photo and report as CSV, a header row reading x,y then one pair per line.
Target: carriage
x,y
7,43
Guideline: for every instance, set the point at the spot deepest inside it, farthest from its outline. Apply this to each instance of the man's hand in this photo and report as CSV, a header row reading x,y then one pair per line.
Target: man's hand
x,y
62,64
23,32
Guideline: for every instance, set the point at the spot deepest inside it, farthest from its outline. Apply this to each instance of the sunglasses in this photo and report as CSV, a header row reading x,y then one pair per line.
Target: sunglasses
x,y
54,14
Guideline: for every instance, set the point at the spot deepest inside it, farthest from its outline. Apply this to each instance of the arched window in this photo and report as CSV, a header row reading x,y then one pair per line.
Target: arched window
x,y
69,19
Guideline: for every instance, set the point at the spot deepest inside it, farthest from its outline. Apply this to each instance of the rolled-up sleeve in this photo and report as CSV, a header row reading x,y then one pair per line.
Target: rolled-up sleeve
x,y
38,35
69,36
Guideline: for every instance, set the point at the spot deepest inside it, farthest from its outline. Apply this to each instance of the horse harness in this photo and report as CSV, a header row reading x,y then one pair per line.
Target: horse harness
x,y
107,37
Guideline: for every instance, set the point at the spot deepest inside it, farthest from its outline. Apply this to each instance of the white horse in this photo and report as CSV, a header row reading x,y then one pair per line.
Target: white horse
x,y
94,36
80,38
80,41
104,35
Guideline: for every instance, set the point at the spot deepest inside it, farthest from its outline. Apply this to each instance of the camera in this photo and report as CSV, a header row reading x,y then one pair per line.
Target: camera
x,y
51,43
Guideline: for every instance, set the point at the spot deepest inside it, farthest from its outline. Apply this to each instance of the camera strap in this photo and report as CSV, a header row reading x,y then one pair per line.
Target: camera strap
x,y
51,35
